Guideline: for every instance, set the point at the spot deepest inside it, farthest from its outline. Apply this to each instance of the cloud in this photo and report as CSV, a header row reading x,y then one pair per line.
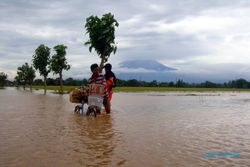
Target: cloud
x,y
192,36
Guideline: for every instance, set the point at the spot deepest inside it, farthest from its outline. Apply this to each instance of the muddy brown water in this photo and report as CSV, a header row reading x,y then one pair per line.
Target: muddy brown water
x,y
144,129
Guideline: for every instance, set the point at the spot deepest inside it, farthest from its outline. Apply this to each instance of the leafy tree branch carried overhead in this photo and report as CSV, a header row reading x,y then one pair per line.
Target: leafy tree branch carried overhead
x,y
102,36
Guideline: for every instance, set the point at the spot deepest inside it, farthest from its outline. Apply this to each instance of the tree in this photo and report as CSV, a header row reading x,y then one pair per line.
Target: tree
x,y
180,83
20,78
50,81
208,84
25,74
58,63
41,60
153,83
132,82
171,84
3,79
102,36
241,83
38,82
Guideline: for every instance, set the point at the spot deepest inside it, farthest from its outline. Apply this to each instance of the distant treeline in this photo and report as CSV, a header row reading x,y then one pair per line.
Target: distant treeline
x,y
238,83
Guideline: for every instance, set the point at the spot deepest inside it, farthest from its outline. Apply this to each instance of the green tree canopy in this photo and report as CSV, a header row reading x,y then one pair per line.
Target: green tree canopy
x,y
3,79
102,36
58,62
25,75
41,60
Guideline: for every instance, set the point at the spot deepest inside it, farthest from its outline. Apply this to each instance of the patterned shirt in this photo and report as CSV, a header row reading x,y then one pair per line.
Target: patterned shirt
x,y
99,80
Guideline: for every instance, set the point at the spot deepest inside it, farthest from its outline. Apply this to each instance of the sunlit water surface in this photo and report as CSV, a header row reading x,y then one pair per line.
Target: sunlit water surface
x,y
144,129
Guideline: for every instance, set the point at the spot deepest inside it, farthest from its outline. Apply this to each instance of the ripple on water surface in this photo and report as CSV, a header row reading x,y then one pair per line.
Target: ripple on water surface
x,y
144,129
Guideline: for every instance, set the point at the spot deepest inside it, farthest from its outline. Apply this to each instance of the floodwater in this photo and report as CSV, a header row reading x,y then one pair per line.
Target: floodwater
x,y
144,129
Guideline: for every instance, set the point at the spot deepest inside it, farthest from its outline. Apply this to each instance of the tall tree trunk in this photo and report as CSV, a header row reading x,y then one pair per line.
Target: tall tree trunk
x,y
101,64
45,84
31,87
24,86
30,83
61,83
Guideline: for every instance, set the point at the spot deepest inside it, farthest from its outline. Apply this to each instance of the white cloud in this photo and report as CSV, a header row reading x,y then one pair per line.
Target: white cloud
x,y
188,35
157,8
40,32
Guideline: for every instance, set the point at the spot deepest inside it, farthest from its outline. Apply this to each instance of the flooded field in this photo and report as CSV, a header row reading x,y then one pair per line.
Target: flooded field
x,y
144,130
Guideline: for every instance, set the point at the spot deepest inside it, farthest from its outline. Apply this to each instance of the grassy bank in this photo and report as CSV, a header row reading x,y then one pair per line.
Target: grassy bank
x,y
149,89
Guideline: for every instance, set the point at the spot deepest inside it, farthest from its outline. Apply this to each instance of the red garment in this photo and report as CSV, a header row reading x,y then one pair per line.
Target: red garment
x,y
109,85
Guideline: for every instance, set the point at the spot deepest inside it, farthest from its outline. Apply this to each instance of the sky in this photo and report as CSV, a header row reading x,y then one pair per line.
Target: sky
x,y
206,38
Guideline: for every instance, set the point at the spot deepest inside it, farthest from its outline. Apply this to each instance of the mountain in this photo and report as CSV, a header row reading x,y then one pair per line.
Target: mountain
x,y
172,76
157,71
145,64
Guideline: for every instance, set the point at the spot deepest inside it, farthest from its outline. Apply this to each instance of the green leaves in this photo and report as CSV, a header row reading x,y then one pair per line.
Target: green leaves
x,y
25,74
58,62
101,35
3,79
41,59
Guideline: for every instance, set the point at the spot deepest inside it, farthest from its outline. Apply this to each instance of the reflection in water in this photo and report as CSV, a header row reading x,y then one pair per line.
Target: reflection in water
x,y
144,129
42,130
176,129
97,135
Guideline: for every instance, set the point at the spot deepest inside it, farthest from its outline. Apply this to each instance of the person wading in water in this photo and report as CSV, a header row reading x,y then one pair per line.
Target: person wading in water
x,y
98,78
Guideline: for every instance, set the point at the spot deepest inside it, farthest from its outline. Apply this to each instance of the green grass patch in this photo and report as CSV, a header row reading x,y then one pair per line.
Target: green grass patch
x,y
55,89
149,89
174,89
